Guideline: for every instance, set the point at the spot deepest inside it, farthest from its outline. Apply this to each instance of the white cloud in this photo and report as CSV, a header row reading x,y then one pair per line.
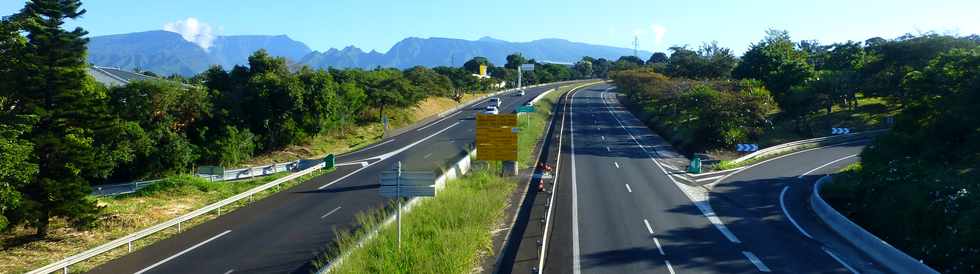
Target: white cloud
x,y
193,31
658,33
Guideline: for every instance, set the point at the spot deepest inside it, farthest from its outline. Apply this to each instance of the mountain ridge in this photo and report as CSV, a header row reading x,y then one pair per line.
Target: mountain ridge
x,y
168,53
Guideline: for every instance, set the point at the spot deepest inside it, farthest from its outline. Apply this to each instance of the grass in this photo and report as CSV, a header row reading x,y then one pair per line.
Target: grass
x,y
360,136
126,214
869,114
123,215
445,234
450,232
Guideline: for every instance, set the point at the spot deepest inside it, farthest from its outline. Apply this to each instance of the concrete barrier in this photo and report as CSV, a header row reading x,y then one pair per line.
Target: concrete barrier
x,y
879,251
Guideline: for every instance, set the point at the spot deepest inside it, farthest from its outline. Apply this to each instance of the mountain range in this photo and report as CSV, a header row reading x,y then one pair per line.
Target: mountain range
x,y
168,53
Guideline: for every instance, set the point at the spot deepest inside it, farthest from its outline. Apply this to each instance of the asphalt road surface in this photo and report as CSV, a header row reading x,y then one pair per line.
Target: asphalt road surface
x,y
767,206
618,210
284,232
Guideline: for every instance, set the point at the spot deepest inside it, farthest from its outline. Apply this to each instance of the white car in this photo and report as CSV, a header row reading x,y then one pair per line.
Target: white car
x,y
519,93
491,110
495,102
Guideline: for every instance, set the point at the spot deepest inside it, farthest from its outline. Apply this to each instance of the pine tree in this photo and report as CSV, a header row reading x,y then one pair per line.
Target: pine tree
x,y
75,139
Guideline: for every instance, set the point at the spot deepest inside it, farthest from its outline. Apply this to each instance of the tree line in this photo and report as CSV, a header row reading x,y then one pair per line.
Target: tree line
x,y
914,187
62,131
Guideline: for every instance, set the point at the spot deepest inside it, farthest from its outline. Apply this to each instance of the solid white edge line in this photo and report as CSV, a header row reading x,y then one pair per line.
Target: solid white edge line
x,y
374,146
659,248
576,261
707,179
839,260
361,163
755,261
825,165
331,212
437,122
710,215
628,188
669,268
782,205
388,155
649,228
182,252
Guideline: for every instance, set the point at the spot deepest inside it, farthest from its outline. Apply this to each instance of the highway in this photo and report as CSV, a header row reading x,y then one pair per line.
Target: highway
x,y
285,231
618,210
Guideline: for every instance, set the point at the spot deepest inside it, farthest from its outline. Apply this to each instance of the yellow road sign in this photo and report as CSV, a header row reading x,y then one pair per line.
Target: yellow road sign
x,y
495,137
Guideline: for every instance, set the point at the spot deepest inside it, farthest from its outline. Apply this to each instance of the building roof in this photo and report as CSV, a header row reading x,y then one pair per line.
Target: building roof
x,y
115,76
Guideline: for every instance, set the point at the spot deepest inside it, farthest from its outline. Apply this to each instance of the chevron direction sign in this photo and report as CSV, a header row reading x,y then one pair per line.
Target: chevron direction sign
x,y
746,147
839,130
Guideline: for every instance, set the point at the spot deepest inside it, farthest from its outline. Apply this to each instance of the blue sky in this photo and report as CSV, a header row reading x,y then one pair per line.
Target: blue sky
x,y
378,25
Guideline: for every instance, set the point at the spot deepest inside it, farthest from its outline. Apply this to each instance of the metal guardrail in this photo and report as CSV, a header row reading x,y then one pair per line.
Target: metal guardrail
x,y
228,175
815,141
64,264
879,250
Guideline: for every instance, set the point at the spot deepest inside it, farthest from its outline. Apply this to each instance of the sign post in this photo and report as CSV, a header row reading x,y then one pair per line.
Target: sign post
x,y
400,184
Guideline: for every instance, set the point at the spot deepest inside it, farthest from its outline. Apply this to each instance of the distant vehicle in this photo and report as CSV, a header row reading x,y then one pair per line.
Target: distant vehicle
x,y
491,110
519,93
495,102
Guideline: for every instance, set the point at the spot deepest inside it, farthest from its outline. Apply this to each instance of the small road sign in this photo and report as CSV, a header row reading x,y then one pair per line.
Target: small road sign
x,y
527,67
523,109
746,147
839,130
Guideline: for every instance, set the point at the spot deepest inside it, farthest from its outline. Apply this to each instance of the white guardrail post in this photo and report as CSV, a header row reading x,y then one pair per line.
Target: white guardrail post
x,y
128,239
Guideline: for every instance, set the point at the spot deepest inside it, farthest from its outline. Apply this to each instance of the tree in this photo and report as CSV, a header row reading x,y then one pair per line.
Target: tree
x,y
657,58
515,60
473,65
600,67
708,62
430,82
777,63
75,137
584,68
165,110
890,61
389,88
917,187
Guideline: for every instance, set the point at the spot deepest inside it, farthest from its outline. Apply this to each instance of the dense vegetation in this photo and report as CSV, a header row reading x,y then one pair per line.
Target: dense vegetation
x,y
61,131
915,187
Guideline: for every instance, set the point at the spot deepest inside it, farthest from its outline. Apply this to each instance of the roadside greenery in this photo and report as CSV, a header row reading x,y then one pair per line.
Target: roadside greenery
x,y
62,131
448,233
126,214
914,187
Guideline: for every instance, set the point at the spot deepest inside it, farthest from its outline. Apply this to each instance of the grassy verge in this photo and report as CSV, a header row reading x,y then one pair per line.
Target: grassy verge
x,y
448,233
534,124
362,135
444,234
123,215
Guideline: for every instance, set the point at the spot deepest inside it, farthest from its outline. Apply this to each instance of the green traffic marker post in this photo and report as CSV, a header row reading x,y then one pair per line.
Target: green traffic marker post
x,y
695,166
329,161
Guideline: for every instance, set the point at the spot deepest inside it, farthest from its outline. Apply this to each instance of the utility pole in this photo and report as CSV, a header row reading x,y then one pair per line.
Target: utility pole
x,y
636,46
